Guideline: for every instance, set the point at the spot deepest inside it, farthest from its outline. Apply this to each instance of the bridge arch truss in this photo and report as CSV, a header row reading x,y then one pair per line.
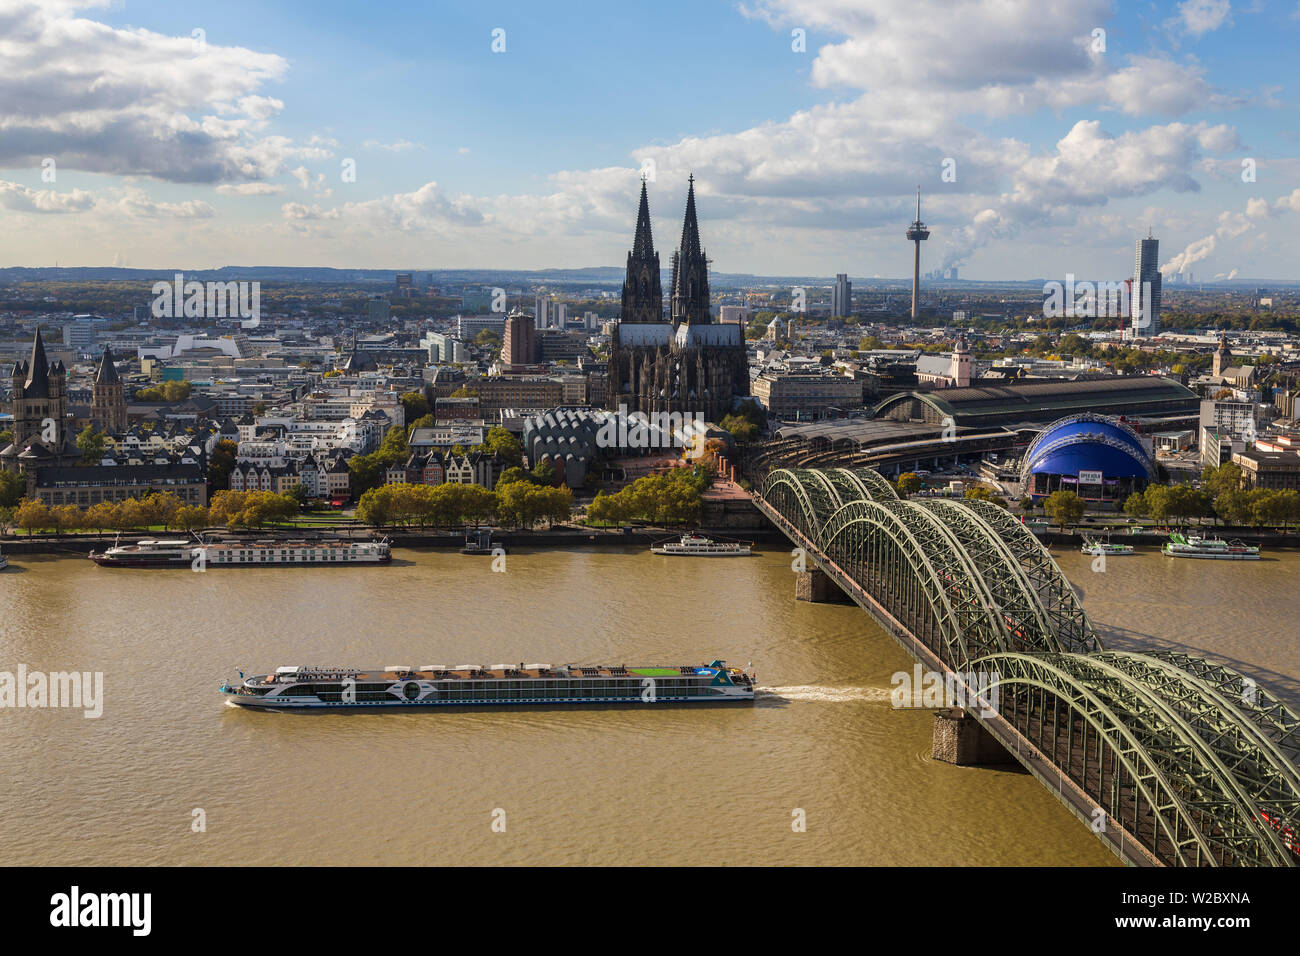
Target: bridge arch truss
x,y
1191,758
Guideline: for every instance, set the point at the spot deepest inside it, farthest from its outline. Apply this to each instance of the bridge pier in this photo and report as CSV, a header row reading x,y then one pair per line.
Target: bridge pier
x,y
816,587
960,739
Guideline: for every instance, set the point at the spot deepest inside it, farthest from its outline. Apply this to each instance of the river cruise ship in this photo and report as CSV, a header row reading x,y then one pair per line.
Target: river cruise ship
x,y
438,685
1193,546
177,552
696,545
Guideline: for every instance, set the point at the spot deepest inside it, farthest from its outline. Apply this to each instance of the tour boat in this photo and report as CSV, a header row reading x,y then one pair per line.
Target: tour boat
x,y
437,685
1098,548
1194,546
177,552
700,546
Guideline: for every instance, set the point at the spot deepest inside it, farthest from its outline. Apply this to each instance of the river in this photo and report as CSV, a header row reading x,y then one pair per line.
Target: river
x,y
559,786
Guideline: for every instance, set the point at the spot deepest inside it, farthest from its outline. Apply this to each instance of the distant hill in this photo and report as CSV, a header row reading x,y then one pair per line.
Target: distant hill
x,y
584,276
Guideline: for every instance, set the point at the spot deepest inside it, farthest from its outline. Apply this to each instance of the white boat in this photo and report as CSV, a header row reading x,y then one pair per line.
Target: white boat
x,y
696,545
176,553
1194,546
1098,548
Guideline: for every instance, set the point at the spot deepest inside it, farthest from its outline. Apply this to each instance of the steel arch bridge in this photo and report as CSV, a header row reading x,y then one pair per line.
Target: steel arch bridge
x,y
1187,758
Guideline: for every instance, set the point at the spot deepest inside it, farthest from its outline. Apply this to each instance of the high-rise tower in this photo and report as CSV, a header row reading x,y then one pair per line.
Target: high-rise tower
x,y
917,233
842,297
1145,307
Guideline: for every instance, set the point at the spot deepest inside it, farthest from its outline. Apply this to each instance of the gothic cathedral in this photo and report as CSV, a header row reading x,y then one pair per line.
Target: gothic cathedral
x,y
691,364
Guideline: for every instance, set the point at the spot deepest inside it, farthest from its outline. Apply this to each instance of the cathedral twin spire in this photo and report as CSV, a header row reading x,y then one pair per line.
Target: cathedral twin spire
x,y
642,289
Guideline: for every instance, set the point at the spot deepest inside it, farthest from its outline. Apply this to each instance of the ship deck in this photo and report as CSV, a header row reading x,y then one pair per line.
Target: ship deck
x,y
495,672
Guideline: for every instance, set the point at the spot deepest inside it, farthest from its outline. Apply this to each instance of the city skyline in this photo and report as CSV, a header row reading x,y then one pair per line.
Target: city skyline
x,y
204,142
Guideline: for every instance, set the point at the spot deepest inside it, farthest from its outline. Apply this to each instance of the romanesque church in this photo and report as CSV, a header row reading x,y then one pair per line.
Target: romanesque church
x,y
690,364
40,426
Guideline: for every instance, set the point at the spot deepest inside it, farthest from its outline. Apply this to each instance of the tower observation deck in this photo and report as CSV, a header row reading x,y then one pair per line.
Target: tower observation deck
x,y
917,233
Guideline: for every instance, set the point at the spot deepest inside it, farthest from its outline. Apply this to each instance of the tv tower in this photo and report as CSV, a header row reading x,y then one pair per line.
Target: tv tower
x,y
917,233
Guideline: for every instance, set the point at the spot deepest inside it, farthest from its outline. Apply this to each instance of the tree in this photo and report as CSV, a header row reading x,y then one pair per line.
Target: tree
x,y
32,514
65,518
982,493
1027,503
908,483
742,429
1135,506
221,463
504,444
1233,506
100,516
415,404
511,475
544,473
191,517
165,392
1064,507
91,445
1225,477
12,488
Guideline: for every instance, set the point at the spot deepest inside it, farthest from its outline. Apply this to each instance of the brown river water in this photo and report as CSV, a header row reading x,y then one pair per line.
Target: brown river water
x,y
640,785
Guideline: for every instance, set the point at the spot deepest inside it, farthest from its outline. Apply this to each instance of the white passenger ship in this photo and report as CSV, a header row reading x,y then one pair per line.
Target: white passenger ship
x,y
1193,546
437,685
699,546
177,552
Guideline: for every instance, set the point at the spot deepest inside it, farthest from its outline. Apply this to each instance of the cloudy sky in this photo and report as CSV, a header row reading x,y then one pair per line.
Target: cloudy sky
x,y
1046,135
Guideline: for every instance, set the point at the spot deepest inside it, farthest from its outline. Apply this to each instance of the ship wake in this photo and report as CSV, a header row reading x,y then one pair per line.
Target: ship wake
x,y
811,692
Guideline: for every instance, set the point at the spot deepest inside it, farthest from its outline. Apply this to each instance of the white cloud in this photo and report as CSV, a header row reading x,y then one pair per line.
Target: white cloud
x,y
24,199
132,101
400,146
1202,16
250,189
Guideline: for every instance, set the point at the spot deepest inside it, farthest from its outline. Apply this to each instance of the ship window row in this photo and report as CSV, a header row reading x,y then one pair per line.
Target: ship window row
x,y
509,690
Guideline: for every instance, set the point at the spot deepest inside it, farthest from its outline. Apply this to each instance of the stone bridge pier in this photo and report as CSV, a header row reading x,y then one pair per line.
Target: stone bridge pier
x,y
817,587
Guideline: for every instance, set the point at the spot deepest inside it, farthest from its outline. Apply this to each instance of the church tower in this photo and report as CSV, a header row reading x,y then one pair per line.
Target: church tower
x,y
40,408
1223,357
108,398
690,289
643,293
959,371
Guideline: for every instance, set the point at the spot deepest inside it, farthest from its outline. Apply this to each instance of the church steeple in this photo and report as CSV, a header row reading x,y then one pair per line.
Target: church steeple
x,y
106,374
38,371
1223,357
107,397
643,293
690,227
643,246
690,270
